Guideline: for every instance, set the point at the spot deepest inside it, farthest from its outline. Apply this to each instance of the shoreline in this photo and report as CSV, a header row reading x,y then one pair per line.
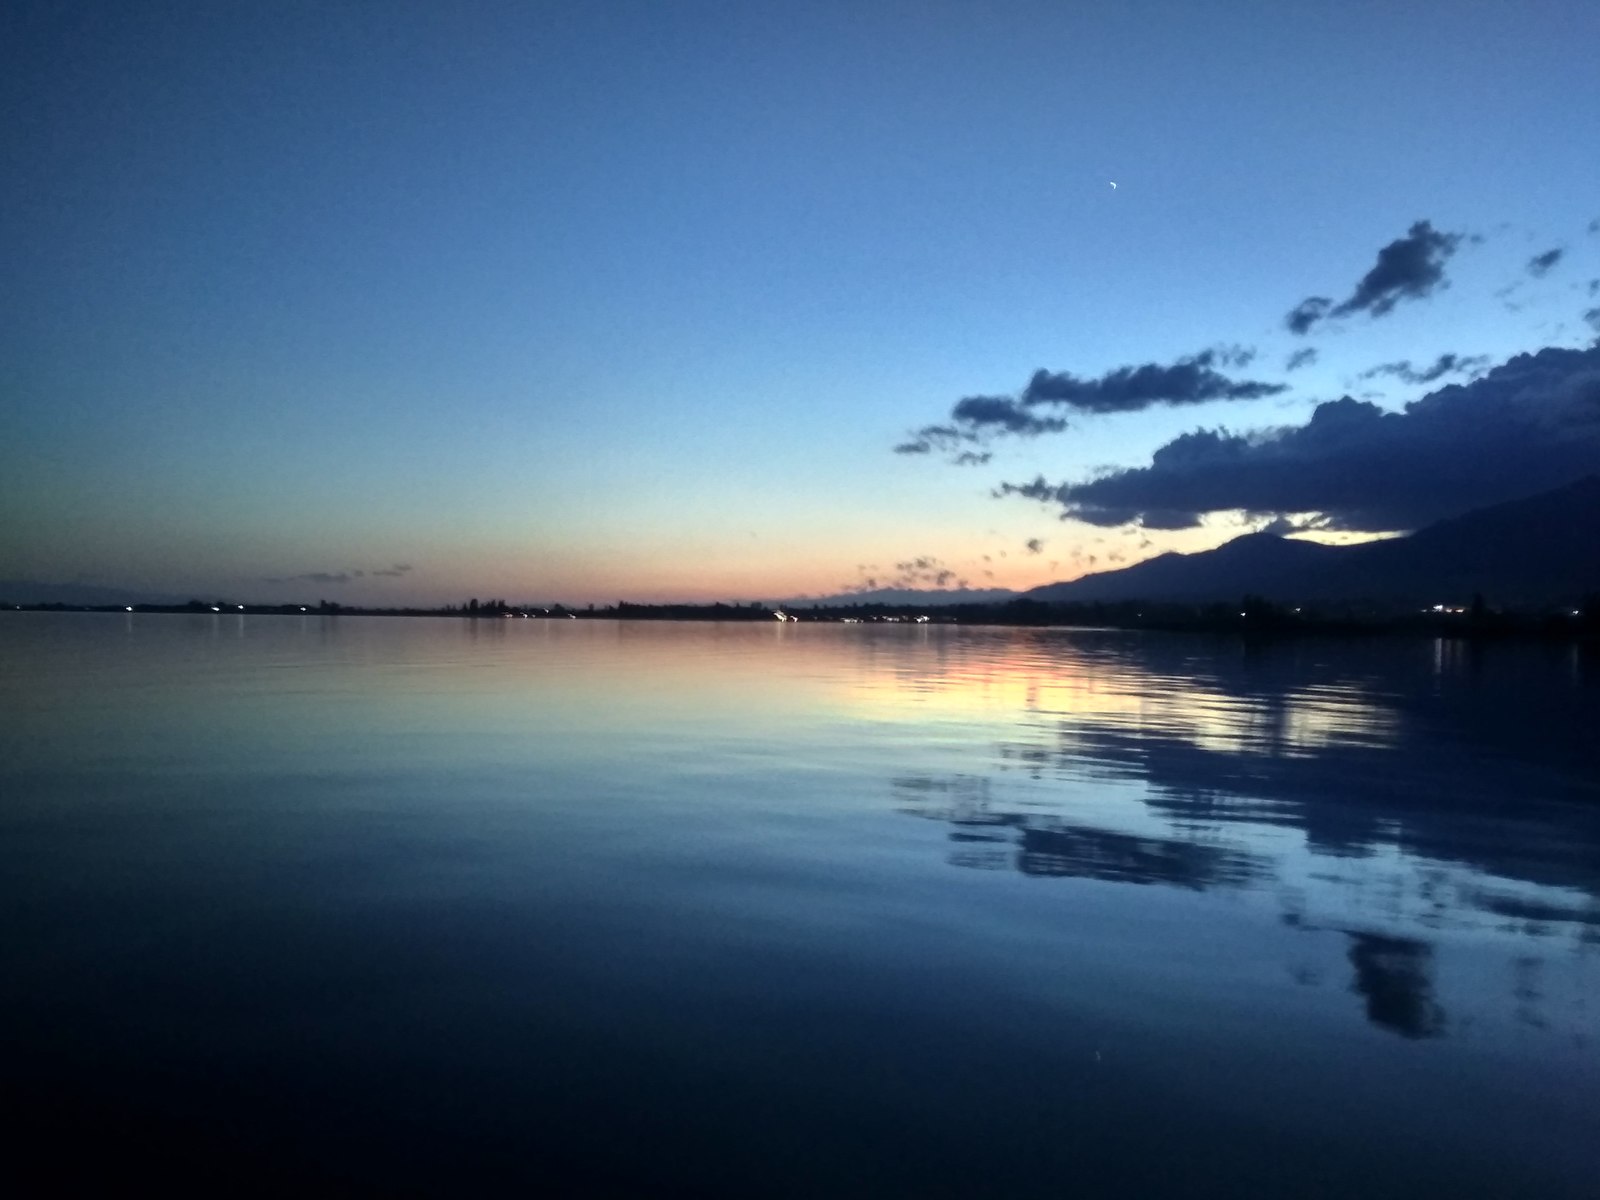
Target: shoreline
x,y
1257,622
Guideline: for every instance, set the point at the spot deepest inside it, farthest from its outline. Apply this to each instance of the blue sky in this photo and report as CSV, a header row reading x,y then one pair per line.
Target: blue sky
x,y
633,300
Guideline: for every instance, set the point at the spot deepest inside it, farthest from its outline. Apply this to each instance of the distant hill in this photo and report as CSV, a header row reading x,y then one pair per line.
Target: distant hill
x,y
1543,549
28,591
1262,563
903,596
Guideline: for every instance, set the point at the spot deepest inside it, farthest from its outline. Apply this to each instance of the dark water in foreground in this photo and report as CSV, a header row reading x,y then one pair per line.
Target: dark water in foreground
x,y
594,907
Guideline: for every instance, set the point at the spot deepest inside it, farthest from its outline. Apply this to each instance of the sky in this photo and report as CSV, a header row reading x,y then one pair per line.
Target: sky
x,y
402,303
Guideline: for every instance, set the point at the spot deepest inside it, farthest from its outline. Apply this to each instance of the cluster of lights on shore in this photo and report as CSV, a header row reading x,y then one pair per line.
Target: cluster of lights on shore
x,y
216,608
780,615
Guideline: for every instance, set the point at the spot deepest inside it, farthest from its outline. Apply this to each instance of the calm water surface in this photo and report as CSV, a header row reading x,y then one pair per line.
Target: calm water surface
x,y
594,907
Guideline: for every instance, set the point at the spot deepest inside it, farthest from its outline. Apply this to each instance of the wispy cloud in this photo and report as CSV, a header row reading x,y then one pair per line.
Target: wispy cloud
x,y
1192,380
1445,364
1539,265
349,575
1036,410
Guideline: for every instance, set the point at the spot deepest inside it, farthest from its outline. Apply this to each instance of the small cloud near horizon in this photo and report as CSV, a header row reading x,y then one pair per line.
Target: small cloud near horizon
x,y
349,575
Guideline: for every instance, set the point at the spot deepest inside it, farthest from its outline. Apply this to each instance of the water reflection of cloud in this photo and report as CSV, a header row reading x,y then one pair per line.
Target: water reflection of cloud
x,y
1394,975
1358,747
1389,803
1090,853
1036,843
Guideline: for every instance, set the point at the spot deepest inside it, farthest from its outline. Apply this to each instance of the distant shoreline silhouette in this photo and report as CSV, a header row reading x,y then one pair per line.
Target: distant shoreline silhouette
x,y
1523,567
1252,615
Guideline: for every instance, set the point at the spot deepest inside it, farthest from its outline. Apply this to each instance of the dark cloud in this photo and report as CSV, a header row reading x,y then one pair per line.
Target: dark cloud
x,y
1307,313
1530,424
1192,380
1593,319
978,417
1064,494
1002,413
395,571
1036,490
972,458
1409,267
1594,225
1445,364
1300,358
1034,545
1539,265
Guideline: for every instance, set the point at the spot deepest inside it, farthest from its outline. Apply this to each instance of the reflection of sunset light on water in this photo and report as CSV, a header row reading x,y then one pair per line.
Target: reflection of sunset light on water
x,y
1056,679
1260,781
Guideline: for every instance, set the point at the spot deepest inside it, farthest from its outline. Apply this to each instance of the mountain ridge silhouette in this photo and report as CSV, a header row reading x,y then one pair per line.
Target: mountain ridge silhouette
x,y
1541,549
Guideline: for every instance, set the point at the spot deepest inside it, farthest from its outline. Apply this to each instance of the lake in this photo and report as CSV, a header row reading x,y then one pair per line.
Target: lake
x,y
589,907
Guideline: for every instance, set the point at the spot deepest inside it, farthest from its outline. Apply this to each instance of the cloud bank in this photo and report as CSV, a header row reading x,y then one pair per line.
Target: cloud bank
x,y
1530,424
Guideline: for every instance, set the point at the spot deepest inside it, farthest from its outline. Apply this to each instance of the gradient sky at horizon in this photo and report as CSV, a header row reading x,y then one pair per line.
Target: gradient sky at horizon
x,y
630,300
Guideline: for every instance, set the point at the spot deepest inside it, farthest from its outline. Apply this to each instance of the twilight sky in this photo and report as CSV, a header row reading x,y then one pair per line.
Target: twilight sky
x,y
586,301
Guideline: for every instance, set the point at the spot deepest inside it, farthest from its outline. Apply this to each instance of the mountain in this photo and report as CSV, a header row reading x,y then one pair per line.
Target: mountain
x,y
28,591
1543,549
903,596
1261,563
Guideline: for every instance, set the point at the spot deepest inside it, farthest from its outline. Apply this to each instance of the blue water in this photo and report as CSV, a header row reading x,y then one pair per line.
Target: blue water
x,y
474,907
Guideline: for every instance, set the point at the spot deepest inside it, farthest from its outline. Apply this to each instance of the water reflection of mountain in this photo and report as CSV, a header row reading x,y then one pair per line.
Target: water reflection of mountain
x,y
1390,794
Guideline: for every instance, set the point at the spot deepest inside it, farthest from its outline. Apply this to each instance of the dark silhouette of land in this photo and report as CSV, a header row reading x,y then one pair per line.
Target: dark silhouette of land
x,y
1539,551
1529,566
